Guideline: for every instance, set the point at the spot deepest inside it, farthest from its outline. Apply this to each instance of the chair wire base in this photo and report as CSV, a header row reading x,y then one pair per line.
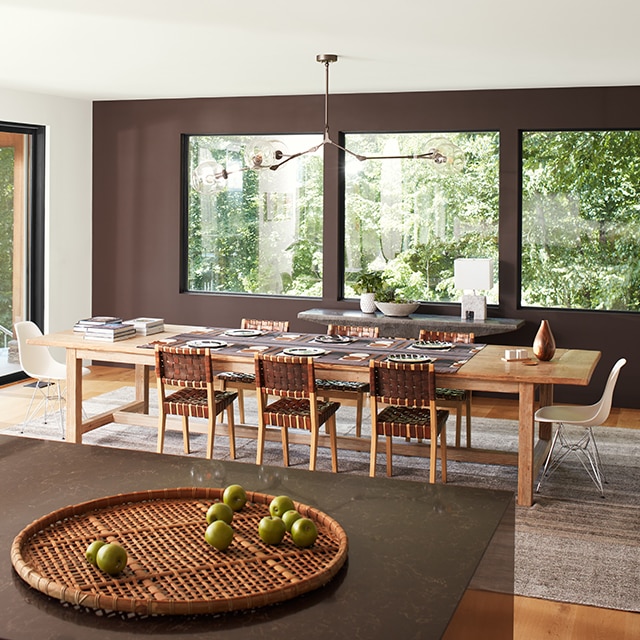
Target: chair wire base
x,y
48,397
585,449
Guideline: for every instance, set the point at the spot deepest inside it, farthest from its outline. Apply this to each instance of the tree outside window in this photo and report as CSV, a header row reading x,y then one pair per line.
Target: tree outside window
x,y
261,233
410,222
6,236
581,220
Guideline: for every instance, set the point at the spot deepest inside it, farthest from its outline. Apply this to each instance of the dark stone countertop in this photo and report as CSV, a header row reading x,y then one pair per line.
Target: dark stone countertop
x,y
413,547
409,326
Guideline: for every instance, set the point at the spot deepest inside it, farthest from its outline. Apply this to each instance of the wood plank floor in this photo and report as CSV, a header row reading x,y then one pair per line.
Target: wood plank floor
x,y
534,618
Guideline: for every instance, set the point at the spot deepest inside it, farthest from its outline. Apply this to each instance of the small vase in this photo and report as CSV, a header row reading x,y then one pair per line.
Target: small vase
x,y
544,344
367,302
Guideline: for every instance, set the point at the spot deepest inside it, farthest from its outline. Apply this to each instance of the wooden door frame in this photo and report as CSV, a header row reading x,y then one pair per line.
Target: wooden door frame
x,y
28,142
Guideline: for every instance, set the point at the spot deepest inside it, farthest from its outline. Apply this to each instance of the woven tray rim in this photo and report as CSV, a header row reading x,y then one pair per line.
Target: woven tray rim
x,y
328,525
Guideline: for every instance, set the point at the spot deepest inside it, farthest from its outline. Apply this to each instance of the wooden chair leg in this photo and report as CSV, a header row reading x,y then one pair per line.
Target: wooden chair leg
x,y
241,405
285,446
359,402
374,452
261,428
260,443
185,434
211,436
334,443
232,432
443,455
162,423
468,417
313,449
222,387
433,456
458,422
326,424
373,405
389,457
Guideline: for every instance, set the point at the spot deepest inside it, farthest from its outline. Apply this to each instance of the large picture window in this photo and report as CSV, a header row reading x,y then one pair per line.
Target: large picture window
x,y
262,232
409,222
581,220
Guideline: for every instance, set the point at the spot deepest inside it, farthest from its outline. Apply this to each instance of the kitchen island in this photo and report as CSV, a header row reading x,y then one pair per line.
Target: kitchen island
x,y
416,551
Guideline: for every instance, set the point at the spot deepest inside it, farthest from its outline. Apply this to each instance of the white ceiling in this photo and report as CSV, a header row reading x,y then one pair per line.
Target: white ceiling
x,y
133,49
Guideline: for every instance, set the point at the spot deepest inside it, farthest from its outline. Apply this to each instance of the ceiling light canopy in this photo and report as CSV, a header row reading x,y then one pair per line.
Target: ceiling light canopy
x,y
210,176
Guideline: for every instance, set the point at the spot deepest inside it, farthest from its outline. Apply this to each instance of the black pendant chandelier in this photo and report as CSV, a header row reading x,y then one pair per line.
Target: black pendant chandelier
x,y
262,154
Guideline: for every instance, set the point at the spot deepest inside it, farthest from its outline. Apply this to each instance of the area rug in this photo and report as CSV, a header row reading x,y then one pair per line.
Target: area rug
x,y
571,546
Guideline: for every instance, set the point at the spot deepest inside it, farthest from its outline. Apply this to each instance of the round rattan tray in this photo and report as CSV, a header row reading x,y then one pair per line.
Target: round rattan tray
x,y
171,568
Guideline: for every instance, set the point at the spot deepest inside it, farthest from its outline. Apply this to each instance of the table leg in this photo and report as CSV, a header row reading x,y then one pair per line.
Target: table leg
x,y
142,385
525,444
546,399
74,397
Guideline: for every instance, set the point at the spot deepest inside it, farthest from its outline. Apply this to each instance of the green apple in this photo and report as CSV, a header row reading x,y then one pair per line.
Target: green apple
x,y
219,511
111,558
219,534
235,496
92,550
289,517
304,532
280,505
271,530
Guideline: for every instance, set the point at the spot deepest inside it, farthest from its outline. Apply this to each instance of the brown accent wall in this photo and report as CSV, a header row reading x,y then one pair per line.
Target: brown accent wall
x,y
136,203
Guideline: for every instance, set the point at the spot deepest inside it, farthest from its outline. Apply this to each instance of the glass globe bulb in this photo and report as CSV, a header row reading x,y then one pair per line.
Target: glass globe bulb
x,y
280,150
209,177
447,157
259,154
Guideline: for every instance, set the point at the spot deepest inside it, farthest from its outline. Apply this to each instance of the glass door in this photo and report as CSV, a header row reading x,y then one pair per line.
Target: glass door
x,y
21,239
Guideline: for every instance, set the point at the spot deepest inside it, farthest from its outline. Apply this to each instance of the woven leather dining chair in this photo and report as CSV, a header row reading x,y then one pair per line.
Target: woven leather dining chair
x,y
453,398
191,370
242,382
585,447
292,380
348,391
408,392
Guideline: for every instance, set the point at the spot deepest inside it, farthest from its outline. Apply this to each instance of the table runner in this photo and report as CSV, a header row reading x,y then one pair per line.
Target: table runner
x,y
356,352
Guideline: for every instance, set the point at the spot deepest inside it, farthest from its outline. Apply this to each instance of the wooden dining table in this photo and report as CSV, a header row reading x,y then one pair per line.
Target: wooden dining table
x,y
473,367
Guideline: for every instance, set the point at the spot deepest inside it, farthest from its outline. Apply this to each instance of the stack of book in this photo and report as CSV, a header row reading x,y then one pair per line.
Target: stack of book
x,y
96,321
146,326
110,332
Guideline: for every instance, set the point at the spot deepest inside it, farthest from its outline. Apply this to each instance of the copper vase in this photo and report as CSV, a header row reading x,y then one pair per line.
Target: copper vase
x,y
544,344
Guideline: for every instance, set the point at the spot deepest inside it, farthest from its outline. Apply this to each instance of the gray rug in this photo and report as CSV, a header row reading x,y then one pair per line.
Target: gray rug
x,y
571,546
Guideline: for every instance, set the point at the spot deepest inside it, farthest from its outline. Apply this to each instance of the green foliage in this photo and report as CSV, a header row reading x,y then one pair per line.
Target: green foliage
x,y
256,235
6,236
407,224
396,294
581,220
410,222
368,282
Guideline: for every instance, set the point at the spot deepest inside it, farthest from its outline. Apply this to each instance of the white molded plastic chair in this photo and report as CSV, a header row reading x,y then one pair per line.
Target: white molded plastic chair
x,y
585,448
38,363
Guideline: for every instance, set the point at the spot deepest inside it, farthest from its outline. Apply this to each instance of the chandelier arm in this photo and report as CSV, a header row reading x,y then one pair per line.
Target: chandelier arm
x,y
327,59
227,172
339,146
313,149
429,155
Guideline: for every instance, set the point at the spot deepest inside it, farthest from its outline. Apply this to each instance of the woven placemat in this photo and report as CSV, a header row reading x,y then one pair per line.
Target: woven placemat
x,y
171,568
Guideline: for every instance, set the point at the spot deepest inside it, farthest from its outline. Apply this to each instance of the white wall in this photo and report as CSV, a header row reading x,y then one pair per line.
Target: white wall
x,y
67,199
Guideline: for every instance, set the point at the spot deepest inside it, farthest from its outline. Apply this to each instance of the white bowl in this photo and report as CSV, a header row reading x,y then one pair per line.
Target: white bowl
x,y
397,309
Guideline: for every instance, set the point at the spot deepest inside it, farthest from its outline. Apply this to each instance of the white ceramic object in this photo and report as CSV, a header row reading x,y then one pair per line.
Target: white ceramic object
x,y
397,309
368,302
